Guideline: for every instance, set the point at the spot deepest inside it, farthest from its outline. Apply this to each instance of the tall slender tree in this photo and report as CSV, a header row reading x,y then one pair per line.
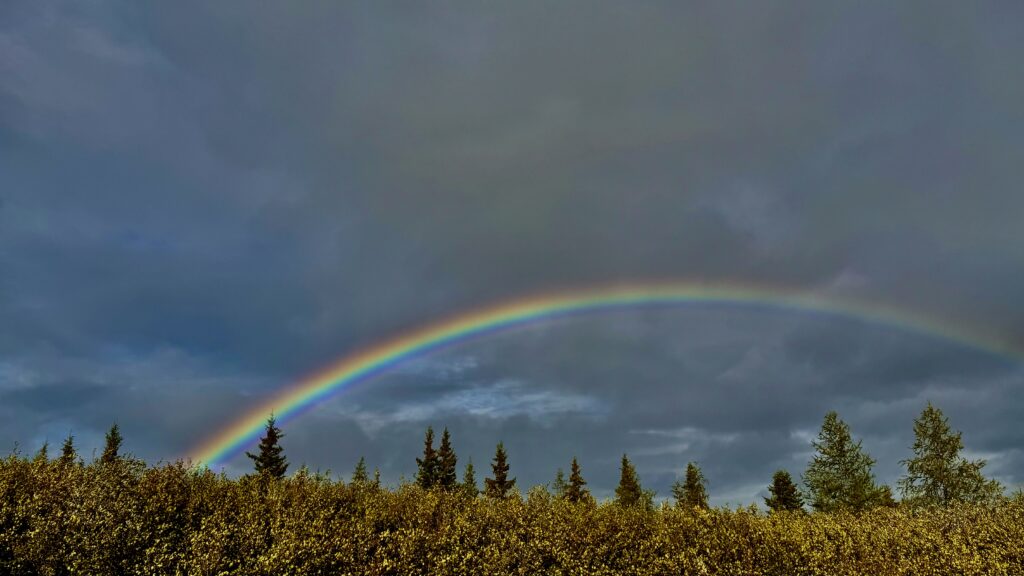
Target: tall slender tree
x,y
426,475
839,476
469,480
359,475
576,492
938,475
270,461
629,492
691,492
500,486
68,455
112,445
446,461
784,493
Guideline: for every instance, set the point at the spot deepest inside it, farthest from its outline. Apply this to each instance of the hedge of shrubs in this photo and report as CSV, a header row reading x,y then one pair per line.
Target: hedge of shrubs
x,y
127,518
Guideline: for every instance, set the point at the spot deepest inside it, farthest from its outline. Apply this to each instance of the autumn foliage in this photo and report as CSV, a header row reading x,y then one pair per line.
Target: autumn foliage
x,y
122,517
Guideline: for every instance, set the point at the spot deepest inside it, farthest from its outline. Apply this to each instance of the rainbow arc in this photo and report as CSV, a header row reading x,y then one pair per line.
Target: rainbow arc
x,y
368,363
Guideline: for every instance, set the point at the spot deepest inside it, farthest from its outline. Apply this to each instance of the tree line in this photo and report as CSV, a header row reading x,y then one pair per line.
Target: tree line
x,y
839,477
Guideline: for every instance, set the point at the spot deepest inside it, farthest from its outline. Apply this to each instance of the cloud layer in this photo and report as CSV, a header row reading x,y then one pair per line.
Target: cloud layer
x,y
200,203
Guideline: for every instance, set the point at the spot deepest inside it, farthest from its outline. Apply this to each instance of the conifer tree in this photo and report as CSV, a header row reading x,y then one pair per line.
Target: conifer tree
x,y
500,485
628,493
67,451
576,491
784,493
560,487
447,477
840,476
270,461
938,475
426,475
112,445
469,480
692,492
376,476
359,475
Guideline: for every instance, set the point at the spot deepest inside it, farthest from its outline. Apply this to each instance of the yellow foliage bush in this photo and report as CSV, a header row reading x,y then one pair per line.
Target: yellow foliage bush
x,y
127,518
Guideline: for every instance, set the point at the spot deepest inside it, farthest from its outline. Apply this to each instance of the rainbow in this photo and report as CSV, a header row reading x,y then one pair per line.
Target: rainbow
x,y
364,365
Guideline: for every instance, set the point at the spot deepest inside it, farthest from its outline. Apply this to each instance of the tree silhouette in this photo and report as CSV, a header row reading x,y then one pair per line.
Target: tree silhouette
x,y
628,493
469,480
112,445
426,475
784,493
359,475
576,492
270,461
446,461
938,475
691,492
67,451
500,485
840,476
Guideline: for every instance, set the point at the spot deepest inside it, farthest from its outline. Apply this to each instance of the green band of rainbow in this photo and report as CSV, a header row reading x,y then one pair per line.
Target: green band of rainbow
x,y
363,365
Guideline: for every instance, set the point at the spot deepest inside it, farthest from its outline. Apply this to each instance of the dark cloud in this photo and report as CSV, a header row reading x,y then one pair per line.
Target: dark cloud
x,y
201,202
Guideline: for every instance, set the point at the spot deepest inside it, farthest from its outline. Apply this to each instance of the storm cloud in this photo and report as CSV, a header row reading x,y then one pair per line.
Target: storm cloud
x,y
200,203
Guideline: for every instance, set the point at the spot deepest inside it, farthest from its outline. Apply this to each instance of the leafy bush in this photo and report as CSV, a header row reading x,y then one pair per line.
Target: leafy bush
x,y
123,517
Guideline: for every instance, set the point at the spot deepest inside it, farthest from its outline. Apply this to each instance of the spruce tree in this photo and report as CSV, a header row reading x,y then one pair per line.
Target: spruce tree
x,y
426,475
112,445
469,480
67,452
446,461
691,493
938,475
359,475
784,493
628,493
576,491
500,485
270,461
839,476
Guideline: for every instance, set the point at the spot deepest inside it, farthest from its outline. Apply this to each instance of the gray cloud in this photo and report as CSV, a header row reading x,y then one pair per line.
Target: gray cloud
x,y
200,203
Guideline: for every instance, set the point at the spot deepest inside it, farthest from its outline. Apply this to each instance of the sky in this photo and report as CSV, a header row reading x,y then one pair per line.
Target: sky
x,y
201,203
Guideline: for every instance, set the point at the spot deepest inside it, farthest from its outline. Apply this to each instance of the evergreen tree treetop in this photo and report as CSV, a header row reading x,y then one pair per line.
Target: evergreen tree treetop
x,y
427,467
692,492
937,474
112,445
359,475
575,492
67,451
784,493
270,461
500,485
446,462
468,485
840,474
629,492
